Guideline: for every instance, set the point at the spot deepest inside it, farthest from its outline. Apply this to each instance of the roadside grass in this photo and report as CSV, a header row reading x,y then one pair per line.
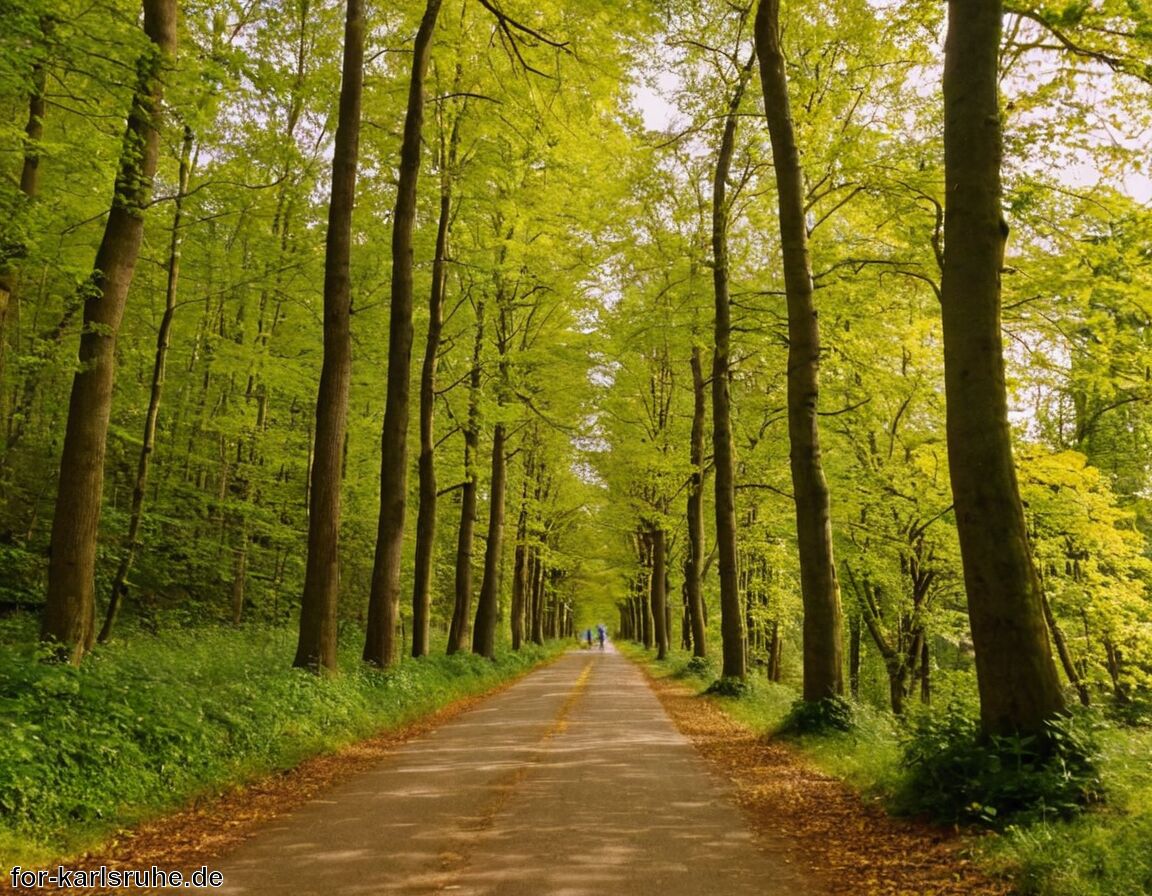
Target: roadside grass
x,y
1105,851
148,724
1102,852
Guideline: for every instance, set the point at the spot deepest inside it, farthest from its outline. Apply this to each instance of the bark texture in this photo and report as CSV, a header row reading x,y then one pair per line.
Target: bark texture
x,y
658,590
1018,684
69,613
316,646
520,565
487,607
731,616
426,514
381,647
694,561
460,631
823,650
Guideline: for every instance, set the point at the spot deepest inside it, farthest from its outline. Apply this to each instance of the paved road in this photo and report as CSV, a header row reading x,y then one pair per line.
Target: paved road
x,y
572,782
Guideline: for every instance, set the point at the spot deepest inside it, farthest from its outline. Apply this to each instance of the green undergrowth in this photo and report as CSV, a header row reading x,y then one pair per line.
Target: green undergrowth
x,y
1073,847
955,774
149,723
1102,852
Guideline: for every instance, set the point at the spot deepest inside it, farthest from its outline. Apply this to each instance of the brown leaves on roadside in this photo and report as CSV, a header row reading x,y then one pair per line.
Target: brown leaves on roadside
x,y
853,847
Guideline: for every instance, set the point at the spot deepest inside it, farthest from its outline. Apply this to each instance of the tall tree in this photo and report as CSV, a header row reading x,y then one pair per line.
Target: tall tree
x,y
823,653
1017,679
694,560
460,630
487,606
731,615
316,647
69,613
380,647
426,514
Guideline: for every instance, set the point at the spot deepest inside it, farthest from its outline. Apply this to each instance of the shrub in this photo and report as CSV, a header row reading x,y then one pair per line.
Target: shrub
x,y
955,774
728,686
818,717
697,667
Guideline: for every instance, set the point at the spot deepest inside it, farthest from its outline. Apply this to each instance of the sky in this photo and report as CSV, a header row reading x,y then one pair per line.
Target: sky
x,y
1110,129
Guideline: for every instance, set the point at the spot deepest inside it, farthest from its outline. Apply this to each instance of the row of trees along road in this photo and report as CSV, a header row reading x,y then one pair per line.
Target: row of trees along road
x,y
751,364
838,206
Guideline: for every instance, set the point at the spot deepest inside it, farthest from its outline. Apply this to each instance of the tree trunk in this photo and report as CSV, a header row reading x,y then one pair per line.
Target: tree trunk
x,y
693,564
1115,672
657,590
34,129
69,613
487,607
823,651
1064,652
731,617
536,579
1016,676
426,515
460,633
380,646
854,657
775,652
520,564
644,588
316,646
240,575
925,674
148,443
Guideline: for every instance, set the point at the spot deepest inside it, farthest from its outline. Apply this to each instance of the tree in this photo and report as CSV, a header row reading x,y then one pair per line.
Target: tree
x,y
694,558
459,633
731,616
380,647
316,648
69,613
1016,675
426,514
823,653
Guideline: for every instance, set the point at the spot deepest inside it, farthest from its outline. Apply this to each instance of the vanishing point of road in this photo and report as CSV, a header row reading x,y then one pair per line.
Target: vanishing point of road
x,y
572,782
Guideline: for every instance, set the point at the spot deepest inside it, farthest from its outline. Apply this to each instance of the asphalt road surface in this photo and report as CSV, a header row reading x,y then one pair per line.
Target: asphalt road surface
x,y
572,782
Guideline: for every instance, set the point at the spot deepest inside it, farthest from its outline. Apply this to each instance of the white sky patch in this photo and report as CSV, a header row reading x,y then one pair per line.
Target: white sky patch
x,y
651,99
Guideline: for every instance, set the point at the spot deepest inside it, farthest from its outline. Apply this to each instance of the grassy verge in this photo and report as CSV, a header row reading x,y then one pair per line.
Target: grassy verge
x,y
148,724
1103,852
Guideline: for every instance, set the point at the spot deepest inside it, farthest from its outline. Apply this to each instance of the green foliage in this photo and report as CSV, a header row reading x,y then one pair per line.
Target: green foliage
x,y
1099,853
149,724
728,686
819,717
697,667
956,775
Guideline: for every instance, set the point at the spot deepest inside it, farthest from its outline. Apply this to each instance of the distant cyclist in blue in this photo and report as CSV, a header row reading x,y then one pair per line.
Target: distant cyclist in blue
x,y
601,633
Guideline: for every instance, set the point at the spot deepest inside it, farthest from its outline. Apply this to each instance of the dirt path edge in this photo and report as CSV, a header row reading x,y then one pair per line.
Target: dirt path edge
x,y
855,846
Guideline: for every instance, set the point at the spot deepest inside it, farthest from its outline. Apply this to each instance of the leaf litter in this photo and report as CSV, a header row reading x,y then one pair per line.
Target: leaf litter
x,y
851,845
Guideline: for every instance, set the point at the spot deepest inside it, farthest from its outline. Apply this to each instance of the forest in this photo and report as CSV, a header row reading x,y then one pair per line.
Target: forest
x,y
808,346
